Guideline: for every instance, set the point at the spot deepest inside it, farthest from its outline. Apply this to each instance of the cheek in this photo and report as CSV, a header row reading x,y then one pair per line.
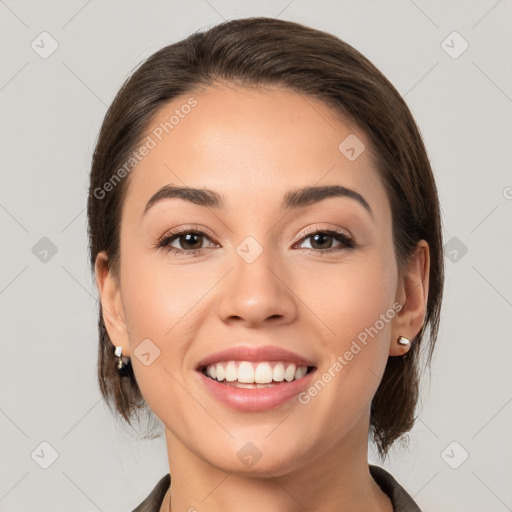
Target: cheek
x,y
158,297
161,307
354,302
351,296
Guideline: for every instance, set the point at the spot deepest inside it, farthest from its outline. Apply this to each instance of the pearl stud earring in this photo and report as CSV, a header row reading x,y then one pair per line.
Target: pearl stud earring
x,y
403,341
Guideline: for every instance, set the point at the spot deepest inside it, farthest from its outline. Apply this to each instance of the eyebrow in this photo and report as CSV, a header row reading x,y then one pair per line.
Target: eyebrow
x,y
298,198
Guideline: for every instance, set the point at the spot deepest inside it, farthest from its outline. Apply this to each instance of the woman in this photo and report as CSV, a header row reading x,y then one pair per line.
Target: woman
x,y
266,238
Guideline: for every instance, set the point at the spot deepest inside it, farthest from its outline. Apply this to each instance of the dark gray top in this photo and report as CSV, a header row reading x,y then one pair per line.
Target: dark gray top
x,y
401,501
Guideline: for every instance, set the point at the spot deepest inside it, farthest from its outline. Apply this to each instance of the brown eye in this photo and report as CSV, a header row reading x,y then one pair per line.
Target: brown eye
x,y
323,241
319,240
189,241
185,242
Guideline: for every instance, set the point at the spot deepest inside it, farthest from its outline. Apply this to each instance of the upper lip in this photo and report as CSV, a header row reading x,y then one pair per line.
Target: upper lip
x,y
248,353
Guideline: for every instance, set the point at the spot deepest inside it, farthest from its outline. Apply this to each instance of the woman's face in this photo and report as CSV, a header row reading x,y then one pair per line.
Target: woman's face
x,y
261,279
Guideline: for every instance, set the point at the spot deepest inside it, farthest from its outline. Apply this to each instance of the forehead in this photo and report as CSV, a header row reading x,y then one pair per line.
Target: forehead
x,y
251,145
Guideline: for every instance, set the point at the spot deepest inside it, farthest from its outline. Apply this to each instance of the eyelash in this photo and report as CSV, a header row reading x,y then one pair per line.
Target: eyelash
x,y
163,243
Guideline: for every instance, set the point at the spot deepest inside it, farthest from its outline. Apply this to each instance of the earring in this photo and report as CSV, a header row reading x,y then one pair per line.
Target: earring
x,y
119,353
403,341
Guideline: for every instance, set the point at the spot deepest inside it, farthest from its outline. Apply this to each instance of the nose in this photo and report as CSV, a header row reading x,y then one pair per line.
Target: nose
x,y
257,292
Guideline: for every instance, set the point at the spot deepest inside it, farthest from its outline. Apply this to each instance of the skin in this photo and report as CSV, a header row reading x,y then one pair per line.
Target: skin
x,y
252,146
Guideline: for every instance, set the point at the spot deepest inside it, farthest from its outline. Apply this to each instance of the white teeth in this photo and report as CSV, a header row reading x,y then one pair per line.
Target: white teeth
x,y
220,373
300,372
245,372
278,372
260,373
289,374
263,373
231,373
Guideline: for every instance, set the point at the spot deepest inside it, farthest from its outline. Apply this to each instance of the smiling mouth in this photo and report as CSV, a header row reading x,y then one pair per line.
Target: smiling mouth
x,y
239,374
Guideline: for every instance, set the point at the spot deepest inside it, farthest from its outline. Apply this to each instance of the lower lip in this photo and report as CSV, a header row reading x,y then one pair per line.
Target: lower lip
x,y
255,400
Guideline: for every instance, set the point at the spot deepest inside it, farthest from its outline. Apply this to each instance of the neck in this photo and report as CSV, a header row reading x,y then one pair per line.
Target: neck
x,y
327,477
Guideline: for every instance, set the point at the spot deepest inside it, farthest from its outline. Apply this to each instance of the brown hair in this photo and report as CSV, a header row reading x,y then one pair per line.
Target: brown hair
x,y
259,52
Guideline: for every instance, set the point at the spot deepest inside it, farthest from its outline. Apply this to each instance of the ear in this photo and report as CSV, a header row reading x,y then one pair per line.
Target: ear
x,y
111,303
412,294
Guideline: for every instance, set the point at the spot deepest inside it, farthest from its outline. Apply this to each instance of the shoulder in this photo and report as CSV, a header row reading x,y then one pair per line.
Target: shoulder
x,y
401,500
154,500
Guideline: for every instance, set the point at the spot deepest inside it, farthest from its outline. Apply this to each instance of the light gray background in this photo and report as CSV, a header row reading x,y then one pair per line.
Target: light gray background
x,y
51,110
